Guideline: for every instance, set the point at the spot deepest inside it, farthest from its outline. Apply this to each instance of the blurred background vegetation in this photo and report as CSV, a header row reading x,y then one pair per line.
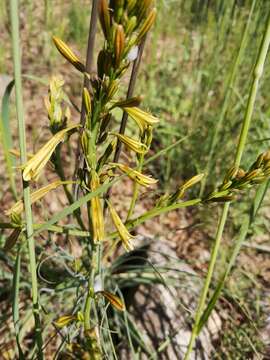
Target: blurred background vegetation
x,y
184,79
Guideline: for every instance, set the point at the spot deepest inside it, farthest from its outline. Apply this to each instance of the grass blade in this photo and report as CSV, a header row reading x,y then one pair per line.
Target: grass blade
x,y
6,137
14,17
238,244
15,304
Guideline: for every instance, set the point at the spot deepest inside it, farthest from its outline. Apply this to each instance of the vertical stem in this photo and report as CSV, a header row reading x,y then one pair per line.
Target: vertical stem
x,y
131,87
226,100
257,73
88,67
26,189
90,49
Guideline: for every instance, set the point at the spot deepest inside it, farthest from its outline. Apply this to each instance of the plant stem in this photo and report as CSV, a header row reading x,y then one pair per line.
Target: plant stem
x,y
26,189
159,211
131,87
226,100
257,73
88,67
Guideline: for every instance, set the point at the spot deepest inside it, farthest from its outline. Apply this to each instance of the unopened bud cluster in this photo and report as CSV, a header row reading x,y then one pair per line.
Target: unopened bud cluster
x,y
237,179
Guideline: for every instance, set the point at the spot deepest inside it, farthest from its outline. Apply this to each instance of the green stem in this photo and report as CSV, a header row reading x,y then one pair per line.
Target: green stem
x,y
26,189
226,100
258,70
89,299
160,210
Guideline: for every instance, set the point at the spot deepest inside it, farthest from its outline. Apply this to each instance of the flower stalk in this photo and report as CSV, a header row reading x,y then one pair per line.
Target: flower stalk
x,y
14,16
257,74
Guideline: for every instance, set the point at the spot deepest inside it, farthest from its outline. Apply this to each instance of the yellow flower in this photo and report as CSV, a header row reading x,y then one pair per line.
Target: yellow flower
x,y
132,144
96,211
121,229
35,196
135,175
33,167
142,118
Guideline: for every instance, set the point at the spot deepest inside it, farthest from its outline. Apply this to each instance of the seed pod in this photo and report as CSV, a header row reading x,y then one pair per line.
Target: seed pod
x,y
149,21
119,44
104,17
136,175
68,54
121,229
113,299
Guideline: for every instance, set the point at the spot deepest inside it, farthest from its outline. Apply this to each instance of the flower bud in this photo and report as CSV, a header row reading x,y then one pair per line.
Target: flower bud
x,y
96,211
68,54
149,21
104,17
87,101
119,44
130,25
